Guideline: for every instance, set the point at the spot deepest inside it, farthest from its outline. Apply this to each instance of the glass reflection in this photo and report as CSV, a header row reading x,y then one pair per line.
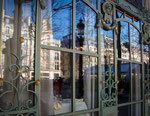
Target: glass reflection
x,y
86,82
18,21
107,48
146,54
137,110
119,14
136,82
128,17
93,2
137,23
86,33
54,32
123,45
56,82
135,44
124,111
123,82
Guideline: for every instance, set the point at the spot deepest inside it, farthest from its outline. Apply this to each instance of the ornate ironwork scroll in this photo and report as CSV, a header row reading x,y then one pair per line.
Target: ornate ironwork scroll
x,y
109,91
24,99
147,83
146,33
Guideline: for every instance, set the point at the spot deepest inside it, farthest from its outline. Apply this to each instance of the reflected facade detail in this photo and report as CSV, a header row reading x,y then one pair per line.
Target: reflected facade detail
x,y
56,83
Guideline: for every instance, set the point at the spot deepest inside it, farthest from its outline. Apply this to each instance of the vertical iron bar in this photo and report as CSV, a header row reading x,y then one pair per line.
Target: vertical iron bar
x,y
37,52
130,67
99,62
74,44
115,49
143,75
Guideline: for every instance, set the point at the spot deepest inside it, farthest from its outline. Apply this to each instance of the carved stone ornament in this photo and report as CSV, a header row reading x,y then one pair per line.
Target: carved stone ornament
x,y
108,12
146,33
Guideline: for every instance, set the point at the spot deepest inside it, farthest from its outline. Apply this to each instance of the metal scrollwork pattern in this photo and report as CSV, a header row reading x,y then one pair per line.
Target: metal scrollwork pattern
x,y
109,91
20,86
146,33
147,86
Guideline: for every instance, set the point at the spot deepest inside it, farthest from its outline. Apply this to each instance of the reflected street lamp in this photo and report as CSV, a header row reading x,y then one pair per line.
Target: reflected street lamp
x,y
80,39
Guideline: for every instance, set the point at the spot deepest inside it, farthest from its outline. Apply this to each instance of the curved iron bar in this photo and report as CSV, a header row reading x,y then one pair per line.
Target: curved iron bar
x,y
7,92
90,5
31,114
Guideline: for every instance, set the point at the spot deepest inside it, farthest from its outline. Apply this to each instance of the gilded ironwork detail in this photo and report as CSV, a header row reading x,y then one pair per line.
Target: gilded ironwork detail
x,y
20,86
21,39
109,91
108,12
103,21
42,4
146,33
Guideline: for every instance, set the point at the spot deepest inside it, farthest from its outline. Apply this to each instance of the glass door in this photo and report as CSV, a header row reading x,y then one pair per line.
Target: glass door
x,y
17,58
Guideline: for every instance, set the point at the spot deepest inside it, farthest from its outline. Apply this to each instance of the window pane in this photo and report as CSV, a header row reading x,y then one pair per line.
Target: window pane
x,y
136,82
86,33
123,45
124,111
93,2
107,48
146,54
137,23
57,23
16,14
86,82
123,82
135,44
119,14
56,83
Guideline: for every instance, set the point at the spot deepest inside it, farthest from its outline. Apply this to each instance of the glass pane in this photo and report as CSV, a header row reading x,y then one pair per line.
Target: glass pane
x,y
56,82
54,32
124,111
146,54
28,33
119,14
137,23
107,48
123,45
135,44
123,82
137,110
93,2
16,15
86,82
136,82
128,17
86,33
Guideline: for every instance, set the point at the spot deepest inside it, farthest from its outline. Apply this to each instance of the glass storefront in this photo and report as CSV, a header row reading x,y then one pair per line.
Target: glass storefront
x,y
73,58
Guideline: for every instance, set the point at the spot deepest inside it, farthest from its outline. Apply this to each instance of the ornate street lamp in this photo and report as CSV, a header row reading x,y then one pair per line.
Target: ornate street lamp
x,y
80,39
80,29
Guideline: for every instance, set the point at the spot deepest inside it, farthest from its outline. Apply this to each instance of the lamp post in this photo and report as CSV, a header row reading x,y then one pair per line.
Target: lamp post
x,y
80,39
